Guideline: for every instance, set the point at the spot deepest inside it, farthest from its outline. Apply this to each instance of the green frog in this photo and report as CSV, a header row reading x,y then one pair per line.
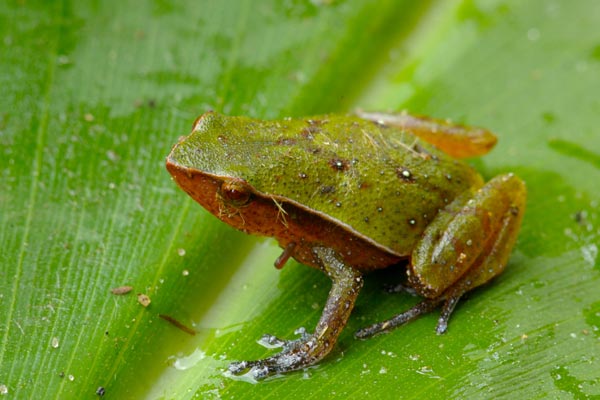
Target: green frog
x,y
349,194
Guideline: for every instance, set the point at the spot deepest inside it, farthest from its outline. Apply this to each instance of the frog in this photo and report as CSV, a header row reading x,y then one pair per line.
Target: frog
x,y
349,194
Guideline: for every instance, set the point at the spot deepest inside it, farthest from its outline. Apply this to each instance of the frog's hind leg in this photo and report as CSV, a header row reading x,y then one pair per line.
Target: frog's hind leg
x,y
423,307
466,245
459,141
311,348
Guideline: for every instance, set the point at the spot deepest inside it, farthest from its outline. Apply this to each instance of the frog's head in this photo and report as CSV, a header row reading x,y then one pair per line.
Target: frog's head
x,y
225,146
212,165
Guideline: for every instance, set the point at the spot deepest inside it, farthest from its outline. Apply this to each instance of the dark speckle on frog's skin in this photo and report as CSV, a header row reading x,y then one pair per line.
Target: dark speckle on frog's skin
x,y
286,142
300,181
339,164
327,189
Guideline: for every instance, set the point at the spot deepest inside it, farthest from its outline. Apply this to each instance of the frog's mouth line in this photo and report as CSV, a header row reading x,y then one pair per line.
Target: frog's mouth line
x,y
283,200
181,173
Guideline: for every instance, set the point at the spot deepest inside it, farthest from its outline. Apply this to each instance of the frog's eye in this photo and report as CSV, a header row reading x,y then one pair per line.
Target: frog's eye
x,y
236,193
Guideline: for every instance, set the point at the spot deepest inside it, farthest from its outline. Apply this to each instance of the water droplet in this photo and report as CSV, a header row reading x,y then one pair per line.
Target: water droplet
x,y
581,66
590,253
533,34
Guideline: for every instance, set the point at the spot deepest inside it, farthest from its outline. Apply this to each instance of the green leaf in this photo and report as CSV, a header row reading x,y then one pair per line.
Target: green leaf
x,y
95,93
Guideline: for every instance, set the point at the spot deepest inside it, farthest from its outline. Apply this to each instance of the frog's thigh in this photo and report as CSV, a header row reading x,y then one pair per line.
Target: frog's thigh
x,y
468,244
459,141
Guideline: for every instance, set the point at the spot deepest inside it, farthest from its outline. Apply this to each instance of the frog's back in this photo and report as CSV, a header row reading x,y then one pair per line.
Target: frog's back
x,y
380,182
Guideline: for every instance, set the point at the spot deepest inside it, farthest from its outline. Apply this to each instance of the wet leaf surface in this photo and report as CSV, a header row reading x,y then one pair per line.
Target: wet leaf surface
x,y
94,95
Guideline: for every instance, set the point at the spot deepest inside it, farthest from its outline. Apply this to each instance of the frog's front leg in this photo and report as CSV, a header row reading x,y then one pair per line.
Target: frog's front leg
x,y
311,348
467,244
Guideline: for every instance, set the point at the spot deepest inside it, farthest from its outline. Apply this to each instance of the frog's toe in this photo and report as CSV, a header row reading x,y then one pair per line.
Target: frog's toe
x,y
238,367
295,354
285,361
423,307
255,369
273,342
260,372
447,309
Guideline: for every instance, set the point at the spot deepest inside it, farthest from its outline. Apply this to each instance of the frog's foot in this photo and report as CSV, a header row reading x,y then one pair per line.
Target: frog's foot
x,y
424,307
273,342
311,348
295,354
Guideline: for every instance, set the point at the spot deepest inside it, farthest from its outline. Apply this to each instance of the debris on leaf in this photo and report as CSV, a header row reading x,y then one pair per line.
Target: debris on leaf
x,y
143,299
121,290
